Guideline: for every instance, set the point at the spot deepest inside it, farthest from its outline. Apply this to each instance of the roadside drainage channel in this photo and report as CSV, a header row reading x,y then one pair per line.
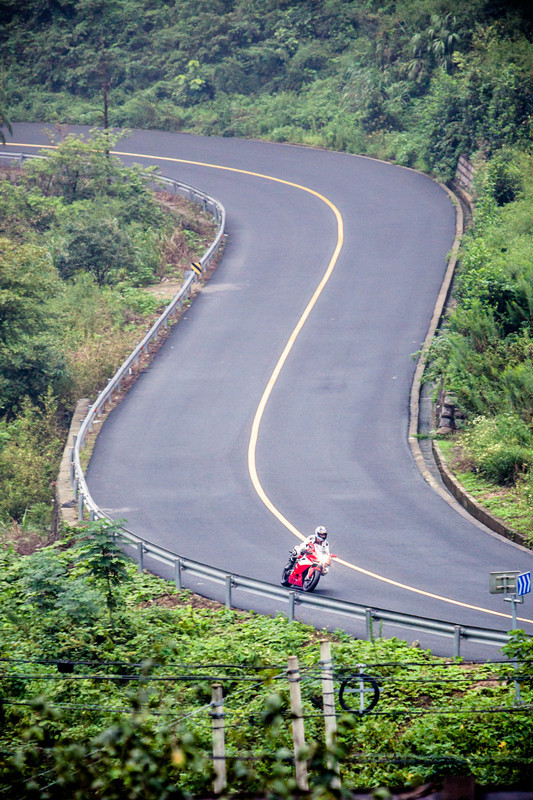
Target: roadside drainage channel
x,y
425,429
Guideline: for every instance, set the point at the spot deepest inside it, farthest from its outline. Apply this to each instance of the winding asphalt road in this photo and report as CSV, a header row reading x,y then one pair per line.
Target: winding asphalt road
x,y
174,458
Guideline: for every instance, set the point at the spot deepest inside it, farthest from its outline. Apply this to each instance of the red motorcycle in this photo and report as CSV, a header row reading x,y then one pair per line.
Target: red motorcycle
x,y
307,570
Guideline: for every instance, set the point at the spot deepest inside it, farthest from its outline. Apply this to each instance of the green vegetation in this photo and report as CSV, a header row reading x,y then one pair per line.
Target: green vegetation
x,y
483,354
410,81
511,504
80,234
81,239
100,706
414,82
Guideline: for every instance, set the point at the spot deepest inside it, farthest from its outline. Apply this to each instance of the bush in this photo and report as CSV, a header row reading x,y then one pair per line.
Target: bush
x,y
97,246
499,448
502,178
29,357
30,449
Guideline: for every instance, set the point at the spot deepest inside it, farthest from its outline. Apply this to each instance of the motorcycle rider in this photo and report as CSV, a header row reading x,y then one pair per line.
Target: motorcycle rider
x,y
318,539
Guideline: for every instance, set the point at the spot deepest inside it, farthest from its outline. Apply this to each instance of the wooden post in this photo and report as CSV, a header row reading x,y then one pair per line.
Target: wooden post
x,y
298,735
219,745
328,702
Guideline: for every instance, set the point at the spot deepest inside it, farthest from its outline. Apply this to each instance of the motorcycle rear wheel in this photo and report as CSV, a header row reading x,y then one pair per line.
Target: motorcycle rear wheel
x,y
310,581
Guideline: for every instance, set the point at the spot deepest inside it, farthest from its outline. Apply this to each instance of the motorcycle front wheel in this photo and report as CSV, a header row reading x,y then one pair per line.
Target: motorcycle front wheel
x,y
285,576
310,581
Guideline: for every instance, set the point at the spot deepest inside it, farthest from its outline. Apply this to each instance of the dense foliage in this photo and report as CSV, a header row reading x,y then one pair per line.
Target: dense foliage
x,y
483,355
106,676
80,235
413,81
419,83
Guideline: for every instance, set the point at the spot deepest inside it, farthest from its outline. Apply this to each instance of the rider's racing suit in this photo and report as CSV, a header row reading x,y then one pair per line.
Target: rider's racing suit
x,y
320,545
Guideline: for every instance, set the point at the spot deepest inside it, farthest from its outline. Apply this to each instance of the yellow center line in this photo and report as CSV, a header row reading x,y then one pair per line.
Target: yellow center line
x,y
252,446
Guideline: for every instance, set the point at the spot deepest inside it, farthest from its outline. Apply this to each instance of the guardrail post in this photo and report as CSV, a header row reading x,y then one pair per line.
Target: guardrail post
x,y
369,624
292,596
71,468
140,555
177,574
229,581
80,507
457,631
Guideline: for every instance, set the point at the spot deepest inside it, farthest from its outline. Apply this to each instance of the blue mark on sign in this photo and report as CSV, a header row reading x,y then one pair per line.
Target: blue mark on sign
x,y
523,583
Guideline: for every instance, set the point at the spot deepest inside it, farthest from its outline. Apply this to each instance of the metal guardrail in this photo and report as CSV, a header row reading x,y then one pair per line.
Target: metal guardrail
x,y
209,204
19,157
142,548
369,616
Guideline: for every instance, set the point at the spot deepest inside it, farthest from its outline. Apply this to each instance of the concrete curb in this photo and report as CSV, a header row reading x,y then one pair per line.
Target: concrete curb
x,y
414,401
454,493
66,508
468,502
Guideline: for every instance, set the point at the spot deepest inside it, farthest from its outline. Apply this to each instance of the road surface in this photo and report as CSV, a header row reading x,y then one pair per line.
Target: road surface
x,y
365,243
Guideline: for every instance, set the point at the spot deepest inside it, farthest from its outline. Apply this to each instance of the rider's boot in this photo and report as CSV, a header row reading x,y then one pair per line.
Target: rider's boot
x,y
292,560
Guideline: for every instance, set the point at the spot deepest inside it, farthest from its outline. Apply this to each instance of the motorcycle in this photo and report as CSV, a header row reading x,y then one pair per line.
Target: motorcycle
x,y
307,570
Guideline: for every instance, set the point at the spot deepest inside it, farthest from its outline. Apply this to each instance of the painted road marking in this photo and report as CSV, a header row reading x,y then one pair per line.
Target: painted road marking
x,y
282,359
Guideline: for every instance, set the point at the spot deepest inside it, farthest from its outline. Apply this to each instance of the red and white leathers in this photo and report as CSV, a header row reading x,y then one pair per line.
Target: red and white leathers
x,y
322,545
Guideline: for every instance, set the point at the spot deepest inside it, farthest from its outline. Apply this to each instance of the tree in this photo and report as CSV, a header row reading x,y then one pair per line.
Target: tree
x,y
94,244
82,169
30,451
4,121
103,559
30,359
78,168
191,87
435,46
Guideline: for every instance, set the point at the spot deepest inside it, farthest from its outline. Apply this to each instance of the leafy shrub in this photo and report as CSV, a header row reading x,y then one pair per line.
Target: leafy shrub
x,y
499,448
484,352
30,449
94,359
138,301
146,246
517,382
503,179
29,356
53,608
95,245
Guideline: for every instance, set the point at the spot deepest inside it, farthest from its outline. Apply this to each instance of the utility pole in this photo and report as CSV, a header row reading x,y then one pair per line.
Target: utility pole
x,y
219,744
298,734
328,702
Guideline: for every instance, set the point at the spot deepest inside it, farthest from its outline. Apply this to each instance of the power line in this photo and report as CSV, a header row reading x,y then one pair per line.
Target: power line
x,y
121,677
141,663
445,665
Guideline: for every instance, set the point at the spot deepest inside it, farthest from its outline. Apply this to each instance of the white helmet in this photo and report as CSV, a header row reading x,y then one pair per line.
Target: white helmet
x,y
321,533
